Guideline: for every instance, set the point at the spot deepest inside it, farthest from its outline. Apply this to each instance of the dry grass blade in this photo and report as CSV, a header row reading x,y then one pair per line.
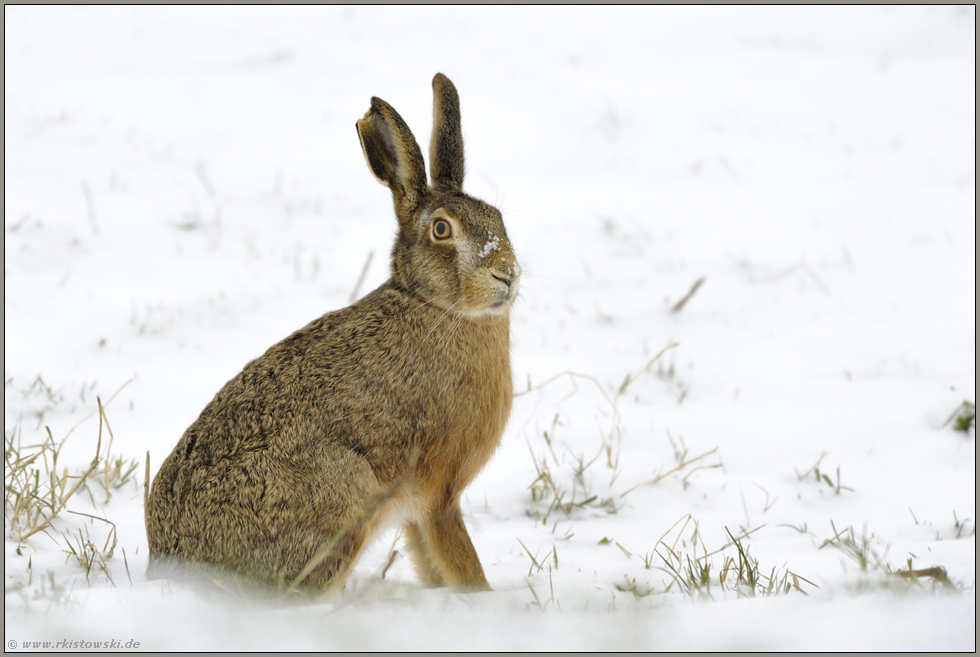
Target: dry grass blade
x,y
936,573
391,559
360,279
611,437
685,463
534,560
687,297
126,562
146,483
325,552
588,377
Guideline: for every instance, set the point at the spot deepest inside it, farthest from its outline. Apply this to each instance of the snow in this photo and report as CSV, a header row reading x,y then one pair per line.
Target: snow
x,y
493,243
183,187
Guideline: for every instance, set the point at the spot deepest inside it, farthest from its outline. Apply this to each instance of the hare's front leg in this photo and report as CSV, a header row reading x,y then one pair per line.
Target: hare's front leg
x,y
422,557
444,553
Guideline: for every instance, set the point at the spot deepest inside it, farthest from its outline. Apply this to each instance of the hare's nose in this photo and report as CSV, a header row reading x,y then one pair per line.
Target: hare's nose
x,y
504,280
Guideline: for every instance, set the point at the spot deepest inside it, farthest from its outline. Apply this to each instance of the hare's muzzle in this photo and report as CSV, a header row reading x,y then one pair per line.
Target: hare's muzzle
x,y
507,286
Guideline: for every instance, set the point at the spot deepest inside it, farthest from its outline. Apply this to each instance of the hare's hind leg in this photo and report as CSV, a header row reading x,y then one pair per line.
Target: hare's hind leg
x,y
331,521
451,555
327,559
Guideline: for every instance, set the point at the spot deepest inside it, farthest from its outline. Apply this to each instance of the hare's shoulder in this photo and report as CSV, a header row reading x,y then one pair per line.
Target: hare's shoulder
x,y
330,339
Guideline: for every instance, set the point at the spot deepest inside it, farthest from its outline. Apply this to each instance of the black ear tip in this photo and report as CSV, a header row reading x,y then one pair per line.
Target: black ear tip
x,y
441,80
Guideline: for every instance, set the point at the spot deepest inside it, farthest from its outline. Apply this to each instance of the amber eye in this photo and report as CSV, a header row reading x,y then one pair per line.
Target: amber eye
x,y
442,229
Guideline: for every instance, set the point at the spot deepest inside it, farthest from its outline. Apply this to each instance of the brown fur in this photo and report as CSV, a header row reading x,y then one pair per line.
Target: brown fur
x,y
383,411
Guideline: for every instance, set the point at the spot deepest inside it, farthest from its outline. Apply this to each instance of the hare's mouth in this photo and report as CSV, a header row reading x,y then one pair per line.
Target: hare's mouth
x,y
496,308
511,295
507,296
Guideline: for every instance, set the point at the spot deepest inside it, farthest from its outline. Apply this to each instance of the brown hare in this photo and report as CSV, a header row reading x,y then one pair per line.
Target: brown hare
x,y
379,413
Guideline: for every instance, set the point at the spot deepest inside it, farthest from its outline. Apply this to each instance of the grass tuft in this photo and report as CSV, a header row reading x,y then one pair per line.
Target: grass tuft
x,y
563,501
35,493
38,491
89,557
630,586
738,572
823,477
863,551
964,417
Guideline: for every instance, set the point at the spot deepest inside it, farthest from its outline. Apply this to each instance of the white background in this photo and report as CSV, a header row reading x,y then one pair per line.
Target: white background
x,y
183,187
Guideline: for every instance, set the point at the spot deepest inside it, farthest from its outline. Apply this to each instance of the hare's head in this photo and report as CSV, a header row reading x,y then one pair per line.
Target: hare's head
x,y
452,249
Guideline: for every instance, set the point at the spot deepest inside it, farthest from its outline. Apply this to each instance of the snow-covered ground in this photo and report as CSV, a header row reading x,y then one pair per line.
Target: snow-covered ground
x,y
183,187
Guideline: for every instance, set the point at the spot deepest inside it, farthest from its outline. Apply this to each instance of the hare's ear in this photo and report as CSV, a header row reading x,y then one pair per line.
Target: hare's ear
x,y
446,147
393,156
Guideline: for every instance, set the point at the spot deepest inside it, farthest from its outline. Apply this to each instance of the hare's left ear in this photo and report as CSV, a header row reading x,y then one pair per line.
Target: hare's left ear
x,y
394,157
446,147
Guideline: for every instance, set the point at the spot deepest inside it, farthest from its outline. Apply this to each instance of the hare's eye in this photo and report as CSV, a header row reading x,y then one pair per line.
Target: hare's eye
x,y
442,229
